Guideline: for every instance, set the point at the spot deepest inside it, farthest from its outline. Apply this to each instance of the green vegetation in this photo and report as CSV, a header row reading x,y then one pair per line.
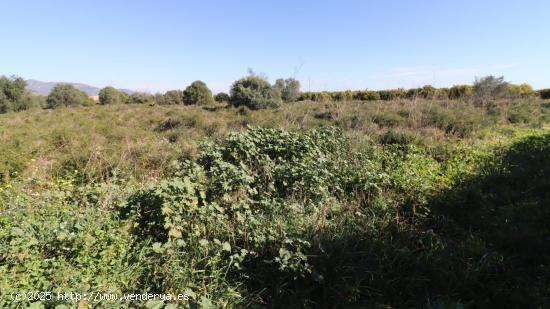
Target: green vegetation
x,y
254,92
197,93
289,89
544,93
173,97
141,98
14,97
67,95
419,201
110,95
222,97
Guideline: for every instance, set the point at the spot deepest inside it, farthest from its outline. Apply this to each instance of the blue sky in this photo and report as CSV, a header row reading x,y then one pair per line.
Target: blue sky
x,y
328,45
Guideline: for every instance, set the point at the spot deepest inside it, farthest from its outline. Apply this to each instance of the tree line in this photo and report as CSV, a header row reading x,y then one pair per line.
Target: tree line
x,y
483,89
255,92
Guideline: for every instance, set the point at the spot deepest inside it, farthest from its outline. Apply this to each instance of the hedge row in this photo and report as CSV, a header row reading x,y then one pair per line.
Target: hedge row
x,y
425,92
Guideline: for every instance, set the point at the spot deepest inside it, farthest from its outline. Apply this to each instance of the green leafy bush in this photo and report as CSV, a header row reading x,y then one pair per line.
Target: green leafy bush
x,y
462,124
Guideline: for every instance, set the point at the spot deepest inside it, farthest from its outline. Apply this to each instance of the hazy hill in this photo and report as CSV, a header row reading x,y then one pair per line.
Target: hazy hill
x,y
44,88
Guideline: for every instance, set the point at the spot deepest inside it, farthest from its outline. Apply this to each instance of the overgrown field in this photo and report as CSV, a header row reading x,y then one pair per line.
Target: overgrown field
x,y
381,204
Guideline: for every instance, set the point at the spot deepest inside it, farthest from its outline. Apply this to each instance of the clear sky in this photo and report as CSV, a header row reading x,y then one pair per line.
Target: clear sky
x,y
328,45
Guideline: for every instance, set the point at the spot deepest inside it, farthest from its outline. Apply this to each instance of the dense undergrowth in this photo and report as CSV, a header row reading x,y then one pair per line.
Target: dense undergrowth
x,y
332,206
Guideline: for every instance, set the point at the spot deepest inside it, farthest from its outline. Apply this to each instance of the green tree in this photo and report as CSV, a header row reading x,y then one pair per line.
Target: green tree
x,y
279,85
140,98
222,97
173,97
254,92
289,89
197,93
291,92
13,96
110,95
490,88
67,95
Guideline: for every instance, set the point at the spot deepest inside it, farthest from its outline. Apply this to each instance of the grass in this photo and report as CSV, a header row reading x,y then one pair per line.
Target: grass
x,y
141,141
401,204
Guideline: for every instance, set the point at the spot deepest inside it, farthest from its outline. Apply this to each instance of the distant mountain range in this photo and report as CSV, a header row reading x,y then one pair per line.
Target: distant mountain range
x,y
44,88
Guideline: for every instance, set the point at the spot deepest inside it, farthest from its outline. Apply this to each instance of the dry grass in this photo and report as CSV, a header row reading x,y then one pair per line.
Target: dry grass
x,y
141,141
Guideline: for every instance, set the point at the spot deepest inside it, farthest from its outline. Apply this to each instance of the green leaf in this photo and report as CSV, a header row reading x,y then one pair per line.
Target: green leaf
x,y
157,247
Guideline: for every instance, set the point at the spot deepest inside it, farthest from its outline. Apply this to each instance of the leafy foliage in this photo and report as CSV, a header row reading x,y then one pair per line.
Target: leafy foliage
x,y
197,93
13,96
140,98
173,97
221,97
405,204
289,89
254,92
490,88
110,95
67,95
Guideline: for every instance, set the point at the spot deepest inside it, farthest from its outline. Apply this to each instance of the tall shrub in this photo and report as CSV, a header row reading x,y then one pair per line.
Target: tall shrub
x,y
67,95
254,92
197,93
